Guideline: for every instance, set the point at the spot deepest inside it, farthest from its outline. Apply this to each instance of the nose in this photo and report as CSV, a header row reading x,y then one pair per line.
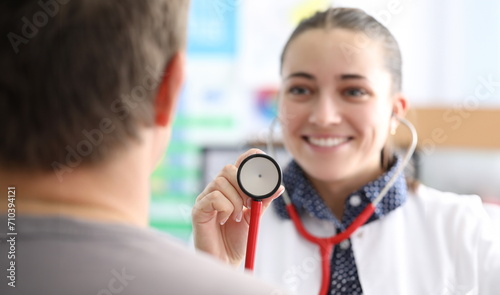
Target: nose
x,y
325,111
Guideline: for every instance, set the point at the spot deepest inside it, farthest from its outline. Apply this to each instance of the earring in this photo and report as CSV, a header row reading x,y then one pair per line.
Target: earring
x,y
393,126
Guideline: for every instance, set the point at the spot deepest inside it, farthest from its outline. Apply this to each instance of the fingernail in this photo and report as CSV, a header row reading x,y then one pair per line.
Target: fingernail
x,y
224,221
239,216
249,203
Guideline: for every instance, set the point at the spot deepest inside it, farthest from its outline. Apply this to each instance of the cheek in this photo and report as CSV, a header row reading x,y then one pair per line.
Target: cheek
x,y
291,117
373,123
381,128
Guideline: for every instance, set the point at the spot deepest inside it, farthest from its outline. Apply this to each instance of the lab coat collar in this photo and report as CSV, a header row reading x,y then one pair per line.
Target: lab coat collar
x,y
306,199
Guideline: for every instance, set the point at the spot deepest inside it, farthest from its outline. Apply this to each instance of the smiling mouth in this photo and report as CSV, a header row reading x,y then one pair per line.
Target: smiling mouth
x,y
326,141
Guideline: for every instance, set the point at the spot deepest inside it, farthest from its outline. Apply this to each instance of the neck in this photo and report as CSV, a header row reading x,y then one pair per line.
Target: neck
x,y
335,193
116,191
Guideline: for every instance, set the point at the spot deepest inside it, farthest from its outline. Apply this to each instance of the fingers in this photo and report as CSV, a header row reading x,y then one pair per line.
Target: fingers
x,y
266,202
213,205
230,174
246,154
223,196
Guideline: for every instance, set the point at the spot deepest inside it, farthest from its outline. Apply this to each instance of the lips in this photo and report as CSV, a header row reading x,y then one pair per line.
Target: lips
x,y
326,141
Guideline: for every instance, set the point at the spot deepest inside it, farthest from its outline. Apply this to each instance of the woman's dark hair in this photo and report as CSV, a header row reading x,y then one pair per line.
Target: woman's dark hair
x,y
358,21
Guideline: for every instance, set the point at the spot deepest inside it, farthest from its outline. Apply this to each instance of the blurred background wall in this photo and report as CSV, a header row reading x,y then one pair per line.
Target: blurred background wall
x,y
451,56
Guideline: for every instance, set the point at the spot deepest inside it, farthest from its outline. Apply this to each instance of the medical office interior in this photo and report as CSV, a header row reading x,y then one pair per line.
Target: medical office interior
x,y
451,75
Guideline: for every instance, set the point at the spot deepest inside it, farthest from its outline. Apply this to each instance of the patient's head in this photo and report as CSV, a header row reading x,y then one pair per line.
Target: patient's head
x,y
79,78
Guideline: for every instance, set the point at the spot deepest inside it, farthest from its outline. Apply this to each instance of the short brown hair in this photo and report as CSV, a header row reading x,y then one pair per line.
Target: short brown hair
x,y
79,77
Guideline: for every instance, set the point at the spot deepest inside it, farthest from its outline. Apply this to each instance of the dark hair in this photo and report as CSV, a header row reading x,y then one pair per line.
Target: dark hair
x,y
79,77
355,20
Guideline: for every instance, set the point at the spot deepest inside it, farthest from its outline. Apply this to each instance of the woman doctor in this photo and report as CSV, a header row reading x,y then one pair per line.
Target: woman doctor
x,y
339,102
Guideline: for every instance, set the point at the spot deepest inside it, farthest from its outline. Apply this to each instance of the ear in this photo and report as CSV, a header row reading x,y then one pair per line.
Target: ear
x,y
399,109
169,89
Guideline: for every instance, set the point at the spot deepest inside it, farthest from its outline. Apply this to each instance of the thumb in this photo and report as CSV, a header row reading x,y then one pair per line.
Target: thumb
x,y
266,202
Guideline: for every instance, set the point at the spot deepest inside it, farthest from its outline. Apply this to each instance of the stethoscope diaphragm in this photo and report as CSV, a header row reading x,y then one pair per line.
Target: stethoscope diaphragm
x,y
259,176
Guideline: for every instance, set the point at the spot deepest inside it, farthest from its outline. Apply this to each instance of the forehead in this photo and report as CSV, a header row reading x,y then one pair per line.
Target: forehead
x,y
335,51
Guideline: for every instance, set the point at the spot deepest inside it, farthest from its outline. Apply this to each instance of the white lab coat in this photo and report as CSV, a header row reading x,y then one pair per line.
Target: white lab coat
x,y
493,210
436,243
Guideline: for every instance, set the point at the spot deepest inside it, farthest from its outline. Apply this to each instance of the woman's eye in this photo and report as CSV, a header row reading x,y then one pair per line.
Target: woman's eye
x,y
299,91
355,92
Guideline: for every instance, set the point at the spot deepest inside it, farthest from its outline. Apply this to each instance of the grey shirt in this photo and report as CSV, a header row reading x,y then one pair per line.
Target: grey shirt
x,y
58,255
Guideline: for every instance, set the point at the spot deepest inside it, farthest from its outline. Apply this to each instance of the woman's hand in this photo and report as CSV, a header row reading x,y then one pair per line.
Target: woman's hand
x,y
221,215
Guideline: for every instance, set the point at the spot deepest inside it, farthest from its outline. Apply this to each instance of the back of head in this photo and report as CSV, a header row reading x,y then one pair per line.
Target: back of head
x,y
79,77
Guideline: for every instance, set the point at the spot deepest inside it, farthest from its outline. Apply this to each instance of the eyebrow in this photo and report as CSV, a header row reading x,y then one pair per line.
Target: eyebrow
x,y
311,77
301,75
352,76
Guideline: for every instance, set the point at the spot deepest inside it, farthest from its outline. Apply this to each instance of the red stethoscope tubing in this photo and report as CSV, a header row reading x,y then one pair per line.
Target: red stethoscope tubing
x,y
252,233
326,244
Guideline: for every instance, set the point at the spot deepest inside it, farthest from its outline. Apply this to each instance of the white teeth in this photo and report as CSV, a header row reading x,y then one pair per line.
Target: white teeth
x,y
327,142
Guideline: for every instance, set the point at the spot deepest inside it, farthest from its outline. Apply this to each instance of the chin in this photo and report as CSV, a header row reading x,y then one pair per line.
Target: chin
x,y
326,175
323,171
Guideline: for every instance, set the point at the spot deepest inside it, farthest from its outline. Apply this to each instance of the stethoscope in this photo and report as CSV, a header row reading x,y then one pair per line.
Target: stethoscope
x,y
259,176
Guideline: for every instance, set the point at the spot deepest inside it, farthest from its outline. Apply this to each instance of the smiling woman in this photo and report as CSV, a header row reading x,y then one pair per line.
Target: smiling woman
x,y
341,108
341,99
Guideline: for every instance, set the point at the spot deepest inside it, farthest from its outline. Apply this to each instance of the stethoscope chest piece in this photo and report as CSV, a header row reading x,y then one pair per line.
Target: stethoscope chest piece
x,y
259,176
